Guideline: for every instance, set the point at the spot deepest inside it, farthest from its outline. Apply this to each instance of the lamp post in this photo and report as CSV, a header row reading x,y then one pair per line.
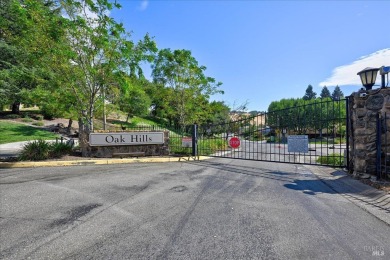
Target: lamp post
x,y
368,76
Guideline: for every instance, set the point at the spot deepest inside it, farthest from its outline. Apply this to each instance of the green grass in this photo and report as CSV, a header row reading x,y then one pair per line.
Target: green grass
x,y
14,132
139,121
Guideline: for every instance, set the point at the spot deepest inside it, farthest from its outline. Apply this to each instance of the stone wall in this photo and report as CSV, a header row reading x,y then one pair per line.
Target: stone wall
x,y
364,108
108,151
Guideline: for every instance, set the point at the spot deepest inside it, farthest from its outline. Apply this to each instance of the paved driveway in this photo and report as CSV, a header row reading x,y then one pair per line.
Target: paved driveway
x,y
217,209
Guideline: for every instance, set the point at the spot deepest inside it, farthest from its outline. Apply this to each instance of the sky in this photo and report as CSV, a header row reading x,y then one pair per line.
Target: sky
x,y
264,51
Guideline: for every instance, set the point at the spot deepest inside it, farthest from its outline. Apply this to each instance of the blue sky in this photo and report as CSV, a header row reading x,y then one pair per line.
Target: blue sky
x,y
263,51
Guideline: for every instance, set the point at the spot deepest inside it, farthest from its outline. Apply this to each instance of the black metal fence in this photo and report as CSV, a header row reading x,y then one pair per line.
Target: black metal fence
x,y
383,146
313,133
176,136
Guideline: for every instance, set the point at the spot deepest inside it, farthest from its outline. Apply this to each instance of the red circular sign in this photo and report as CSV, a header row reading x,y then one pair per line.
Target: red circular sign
x,y
234,142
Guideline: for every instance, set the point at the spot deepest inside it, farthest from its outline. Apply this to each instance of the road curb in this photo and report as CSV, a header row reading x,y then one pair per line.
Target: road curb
x,y
97,162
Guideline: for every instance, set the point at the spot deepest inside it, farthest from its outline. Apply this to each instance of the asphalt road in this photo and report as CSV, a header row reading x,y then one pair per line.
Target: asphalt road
x,y
217,209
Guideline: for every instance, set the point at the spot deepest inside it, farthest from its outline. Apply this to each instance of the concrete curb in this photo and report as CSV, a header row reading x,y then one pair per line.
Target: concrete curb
x,y
97,162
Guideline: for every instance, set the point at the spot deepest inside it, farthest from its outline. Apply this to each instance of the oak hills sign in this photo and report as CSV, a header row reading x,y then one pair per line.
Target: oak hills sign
x,y
123,138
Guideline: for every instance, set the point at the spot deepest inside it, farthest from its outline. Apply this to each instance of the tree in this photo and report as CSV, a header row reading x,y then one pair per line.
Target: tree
x,y
218,113
100,54
310,94
304,115
337,93
325,92
30,35
133,99
180,71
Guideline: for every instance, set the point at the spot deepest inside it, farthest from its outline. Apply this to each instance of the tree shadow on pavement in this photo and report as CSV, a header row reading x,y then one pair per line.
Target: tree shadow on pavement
x,y
344,185
347,187
250,171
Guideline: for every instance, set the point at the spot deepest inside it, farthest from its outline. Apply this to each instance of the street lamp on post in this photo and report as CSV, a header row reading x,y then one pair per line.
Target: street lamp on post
x,y
368,76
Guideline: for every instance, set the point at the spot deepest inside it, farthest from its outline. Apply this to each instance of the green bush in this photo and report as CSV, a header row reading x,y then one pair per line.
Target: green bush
x,y
205,146
27,120
35,151
42,150
38,117
57,150
12,116
334,159
39,123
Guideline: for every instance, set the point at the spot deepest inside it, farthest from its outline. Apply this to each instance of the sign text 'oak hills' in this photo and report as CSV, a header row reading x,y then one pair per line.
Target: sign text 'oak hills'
x,y
134,138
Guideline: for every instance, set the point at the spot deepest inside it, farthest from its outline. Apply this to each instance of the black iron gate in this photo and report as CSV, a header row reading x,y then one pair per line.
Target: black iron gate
x,y
313,133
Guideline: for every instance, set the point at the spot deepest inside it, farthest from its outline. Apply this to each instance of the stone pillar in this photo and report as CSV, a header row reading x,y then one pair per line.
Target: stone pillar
x,y
364,108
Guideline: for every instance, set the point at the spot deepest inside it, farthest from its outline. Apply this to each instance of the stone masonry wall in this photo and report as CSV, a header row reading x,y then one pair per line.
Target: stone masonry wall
x,y
364,108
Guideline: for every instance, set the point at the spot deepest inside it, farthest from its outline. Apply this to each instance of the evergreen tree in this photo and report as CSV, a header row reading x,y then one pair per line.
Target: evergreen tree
x,y
310,94
337,93
325,93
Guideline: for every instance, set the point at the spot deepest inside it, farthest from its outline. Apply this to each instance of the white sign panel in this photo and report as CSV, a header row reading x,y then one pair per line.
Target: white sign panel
x,y
298,144
186,142
134,138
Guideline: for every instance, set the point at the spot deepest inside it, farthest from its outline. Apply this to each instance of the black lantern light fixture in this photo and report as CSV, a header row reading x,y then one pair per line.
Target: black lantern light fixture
x,y
368,77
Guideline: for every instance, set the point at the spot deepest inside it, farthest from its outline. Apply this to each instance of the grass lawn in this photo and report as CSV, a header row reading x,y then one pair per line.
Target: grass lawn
x,y
14,132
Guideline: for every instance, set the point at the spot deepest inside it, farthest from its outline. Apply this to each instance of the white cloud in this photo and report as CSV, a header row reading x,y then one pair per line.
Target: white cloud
x,y
347,74
144,4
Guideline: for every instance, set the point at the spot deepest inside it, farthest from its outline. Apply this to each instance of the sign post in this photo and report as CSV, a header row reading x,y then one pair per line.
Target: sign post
x,y
195,140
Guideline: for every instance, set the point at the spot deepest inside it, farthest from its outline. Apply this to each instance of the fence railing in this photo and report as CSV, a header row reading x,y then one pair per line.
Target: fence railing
x,y
383,146
264,137
176,135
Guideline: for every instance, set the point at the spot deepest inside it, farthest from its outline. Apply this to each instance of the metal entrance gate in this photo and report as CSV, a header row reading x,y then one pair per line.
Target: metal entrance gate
x,y
314,133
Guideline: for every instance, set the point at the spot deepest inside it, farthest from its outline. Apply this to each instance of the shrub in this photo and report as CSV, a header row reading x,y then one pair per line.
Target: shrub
x,y
35,151
334,159
12,116
38,117
27,120
205,146
42,150
39,123
58,150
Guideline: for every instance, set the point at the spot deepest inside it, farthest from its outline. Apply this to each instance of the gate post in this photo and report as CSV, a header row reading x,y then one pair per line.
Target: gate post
x,y
347,130
195,140
378,145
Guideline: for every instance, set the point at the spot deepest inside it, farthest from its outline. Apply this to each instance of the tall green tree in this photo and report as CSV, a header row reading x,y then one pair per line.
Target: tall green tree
x,y
180,71
325,93
100,54
30,34
309,94
337,94
133,98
